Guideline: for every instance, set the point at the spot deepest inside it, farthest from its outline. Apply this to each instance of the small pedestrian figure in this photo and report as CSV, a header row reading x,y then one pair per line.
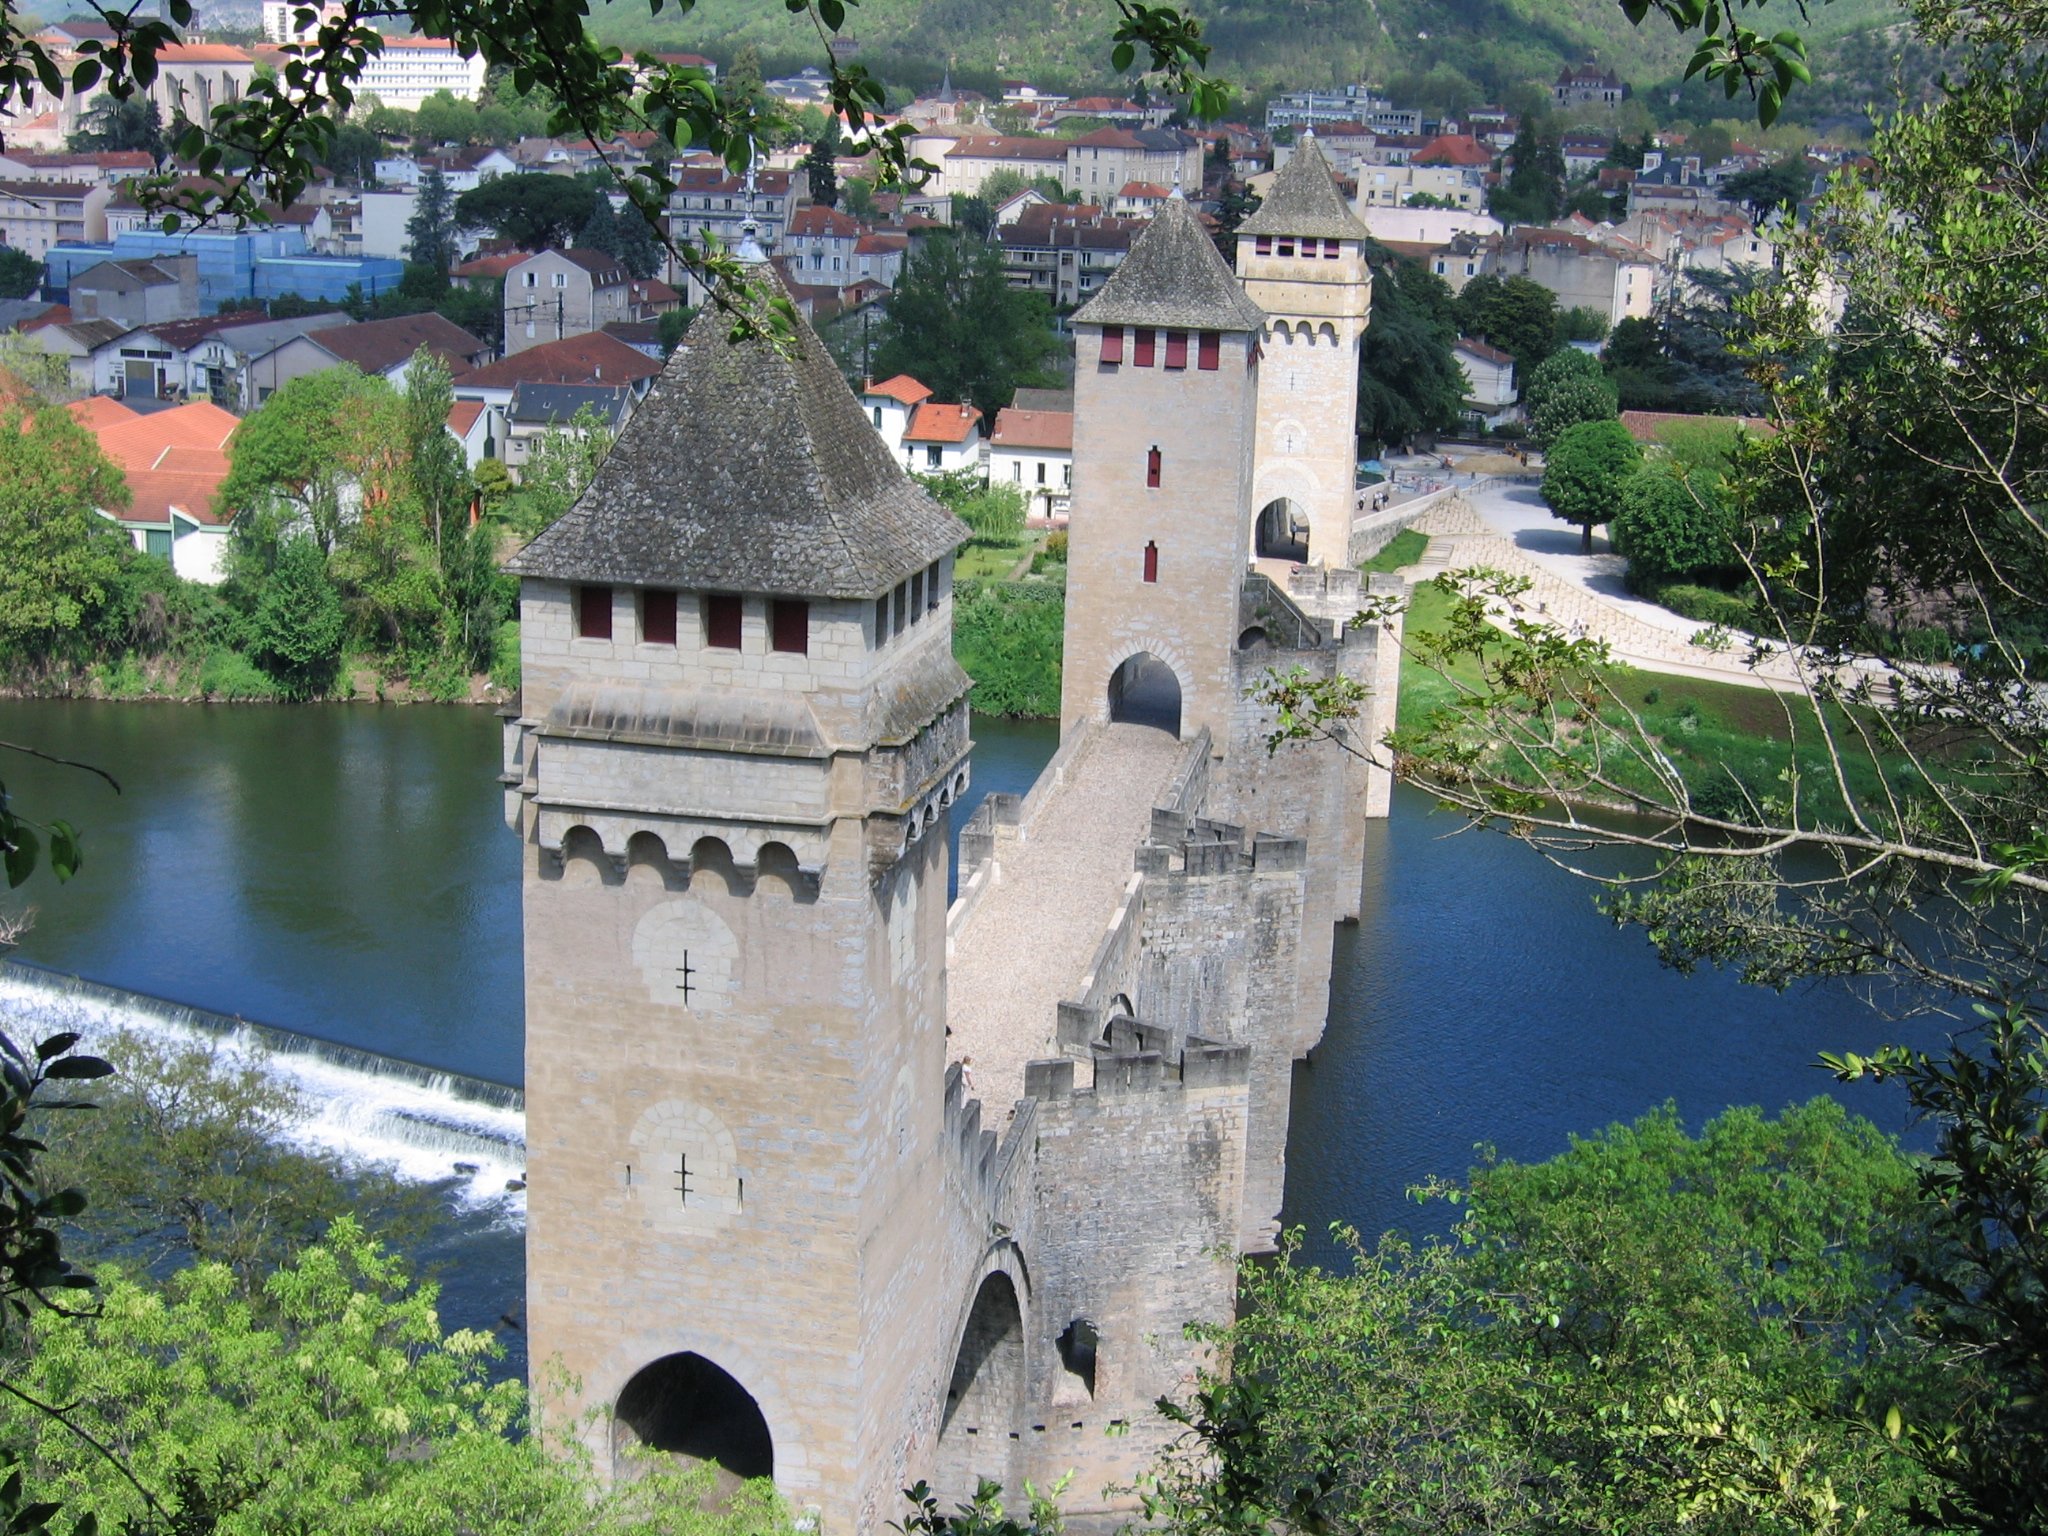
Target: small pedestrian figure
x,y
967,1073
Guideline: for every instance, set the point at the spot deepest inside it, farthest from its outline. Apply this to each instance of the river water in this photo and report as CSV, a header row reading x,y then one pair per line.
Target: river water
x,y
345,872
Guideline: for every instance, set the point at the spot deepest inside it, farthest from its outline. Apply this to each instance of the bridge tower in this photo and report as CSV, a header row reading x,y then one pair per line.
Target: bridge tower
x,y
740,727
1302,261
1165,399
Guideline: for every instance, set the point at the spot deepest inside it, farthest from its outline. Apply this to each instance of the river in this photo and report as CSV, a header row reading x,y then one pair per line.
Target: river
x,y
345,871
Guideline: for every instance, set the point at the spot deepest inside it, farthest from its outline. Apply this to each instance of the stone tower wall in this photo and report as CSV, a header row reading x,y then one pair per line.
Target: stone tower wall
x,y
1307,447
1202,423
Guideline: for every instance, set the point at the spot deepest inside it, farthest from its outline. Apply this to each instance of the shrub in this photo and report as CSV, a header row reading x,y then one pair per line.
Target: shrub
x,y
1568,387
1670,529
1007,637
229,676
1707,605
505,657
1930,645
299,624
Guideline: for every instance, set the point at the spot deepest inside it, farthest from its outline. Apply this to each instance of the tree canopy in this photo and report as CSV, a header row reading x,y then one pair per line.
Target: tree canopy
x,y
535,211
1408,380
1567,387
1516,314
955,323
1584,472
59,559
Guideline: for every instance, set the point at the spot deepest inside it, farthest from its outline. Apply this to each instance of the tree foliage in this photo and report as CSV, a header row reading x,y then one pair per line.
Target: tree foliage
x,y
1516,314
1671,527
299,625
430,232
955,323
820,171
1566,388
1649,1332
1584,472
59,559
20,273
1409,381
533,210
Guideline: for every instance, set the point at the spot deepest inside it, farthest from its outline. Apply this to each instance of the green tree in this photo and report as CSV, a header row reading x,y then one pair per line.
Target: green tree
x,y
1771,188
354,154
188,1160
1515,314
45,376
20,273
532,209
1567,387
341,1406
1534,190
973,216
859,195
995,512
60,560
820,168
299,626
1711,142
1649,1332
302,462
600,231
955,322
1671,528
640,248
1001,185
670,328
430,232
1584,472
1409,380
1582,323
559,465
122,123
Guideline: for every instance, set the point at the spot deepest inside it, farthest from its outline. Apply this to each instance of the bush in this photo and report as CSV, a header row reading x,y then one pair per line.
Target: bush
x,y
1929,645
505,657
1568,387
1707,605
229,677
1007,636
1670,528
299,624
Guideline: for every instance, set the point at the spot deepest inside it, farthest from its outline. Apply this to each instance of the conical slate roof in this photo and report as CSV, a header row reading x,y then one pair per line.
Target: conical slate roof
x,y
1173,278
747,469
1304,200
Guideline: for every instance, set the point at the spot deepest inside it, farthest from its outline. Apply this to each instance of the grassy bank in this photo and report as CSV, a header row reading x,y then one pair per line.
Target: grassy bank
x,y
1709,730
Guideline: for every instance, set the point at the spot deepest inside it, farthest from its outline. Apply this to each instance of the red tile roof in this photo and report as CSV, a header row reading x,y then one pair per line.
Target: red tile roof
x,y
1150,189
1034,429
462,416
592,359
97,412
936,423
1480,349
1459,149
171,459
201,53
903,389
496,265
1006,147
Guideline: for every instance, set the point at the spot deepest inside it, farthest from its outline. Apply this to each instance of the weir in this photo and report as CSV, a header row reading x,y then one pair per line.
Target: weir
x,y
360,1104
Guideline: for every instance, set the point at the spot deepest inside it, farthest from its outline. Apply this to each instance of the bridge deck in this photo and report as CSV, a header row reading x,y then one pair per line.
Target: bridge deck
x,y
1026,946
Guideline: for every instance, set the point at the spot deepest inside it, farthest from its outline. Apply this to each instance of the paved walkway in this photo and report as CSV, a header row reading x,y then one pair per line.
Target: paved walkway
x,y
1025,947
1506,525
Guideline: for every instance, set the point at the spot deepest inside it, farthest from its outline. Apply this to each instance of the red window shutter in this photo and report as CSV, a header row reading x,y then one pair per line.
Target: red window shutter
x,y
1332,249
1176,349
594,613
1152,469
789,625
722,621
1286,247
1144,357
1209,351
657,617
1264,246
1151,561
1113,344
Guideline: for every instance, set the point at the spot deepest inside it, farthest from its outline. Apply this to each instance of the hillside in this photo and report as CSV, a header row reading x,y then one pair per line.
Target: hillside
x,y
1468,48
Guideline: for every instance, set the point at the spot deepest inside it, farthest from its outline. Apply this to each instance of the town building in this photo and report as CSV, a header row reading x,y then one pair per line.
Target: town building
x,y
536,409
198,358
710,201
1582,274
971,160
1065,251
1490,394
819,246
1348,104
174,462
942,439
1588,85
596,360
1099,163
137,291
382,348
1033,453
407,70
890,405
557,294
36,215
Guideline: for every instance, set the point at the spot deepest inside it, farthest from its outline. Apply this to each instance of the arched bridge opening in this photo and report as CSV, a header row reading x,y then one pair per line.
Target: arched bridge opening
x,y
691,1408
1281,532
1145,691
985,1397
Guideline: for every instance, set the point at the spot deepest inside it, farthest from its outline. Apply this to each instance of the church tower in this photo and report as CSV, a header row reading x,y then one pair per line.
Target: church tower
x,y
1301,258
740,729
1166,382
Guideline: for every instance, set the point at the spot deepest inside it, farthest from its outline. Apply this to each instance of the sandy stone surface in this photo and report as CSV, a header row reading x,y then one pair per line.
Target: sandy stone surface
x,y
1026,946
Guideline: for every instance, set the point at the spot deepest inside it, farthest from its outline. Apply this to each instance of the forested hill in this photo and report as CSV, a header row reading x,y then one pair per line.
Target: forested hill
x,y
1262,44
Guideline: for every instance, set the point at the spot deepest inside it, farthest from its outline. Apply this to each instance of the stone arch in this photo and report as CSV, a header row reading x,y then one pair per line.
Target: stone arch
x,y
1144,690
691,1408
1120,1009
1253,637
583,859
1078,1344
776,869
687,955
985,1395
647,858
1280,531
680,1168
1326,332
713,856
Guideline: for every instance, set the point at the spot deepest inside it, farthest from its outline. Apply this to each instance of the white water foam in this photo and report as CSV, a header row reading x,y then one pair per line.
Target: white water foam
x,y
428,1126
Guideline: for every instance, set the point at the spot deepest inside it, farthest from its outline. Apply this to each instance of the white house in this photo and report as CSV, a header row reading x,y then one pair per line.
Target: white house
x,y
942,439
1033,451
889,405
1489,382
174,462
410,69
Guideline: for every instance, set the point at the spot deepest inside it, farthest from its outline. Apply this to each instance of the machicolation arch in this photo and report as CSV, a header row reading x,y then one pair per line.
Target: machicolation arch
x,y
689,1407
